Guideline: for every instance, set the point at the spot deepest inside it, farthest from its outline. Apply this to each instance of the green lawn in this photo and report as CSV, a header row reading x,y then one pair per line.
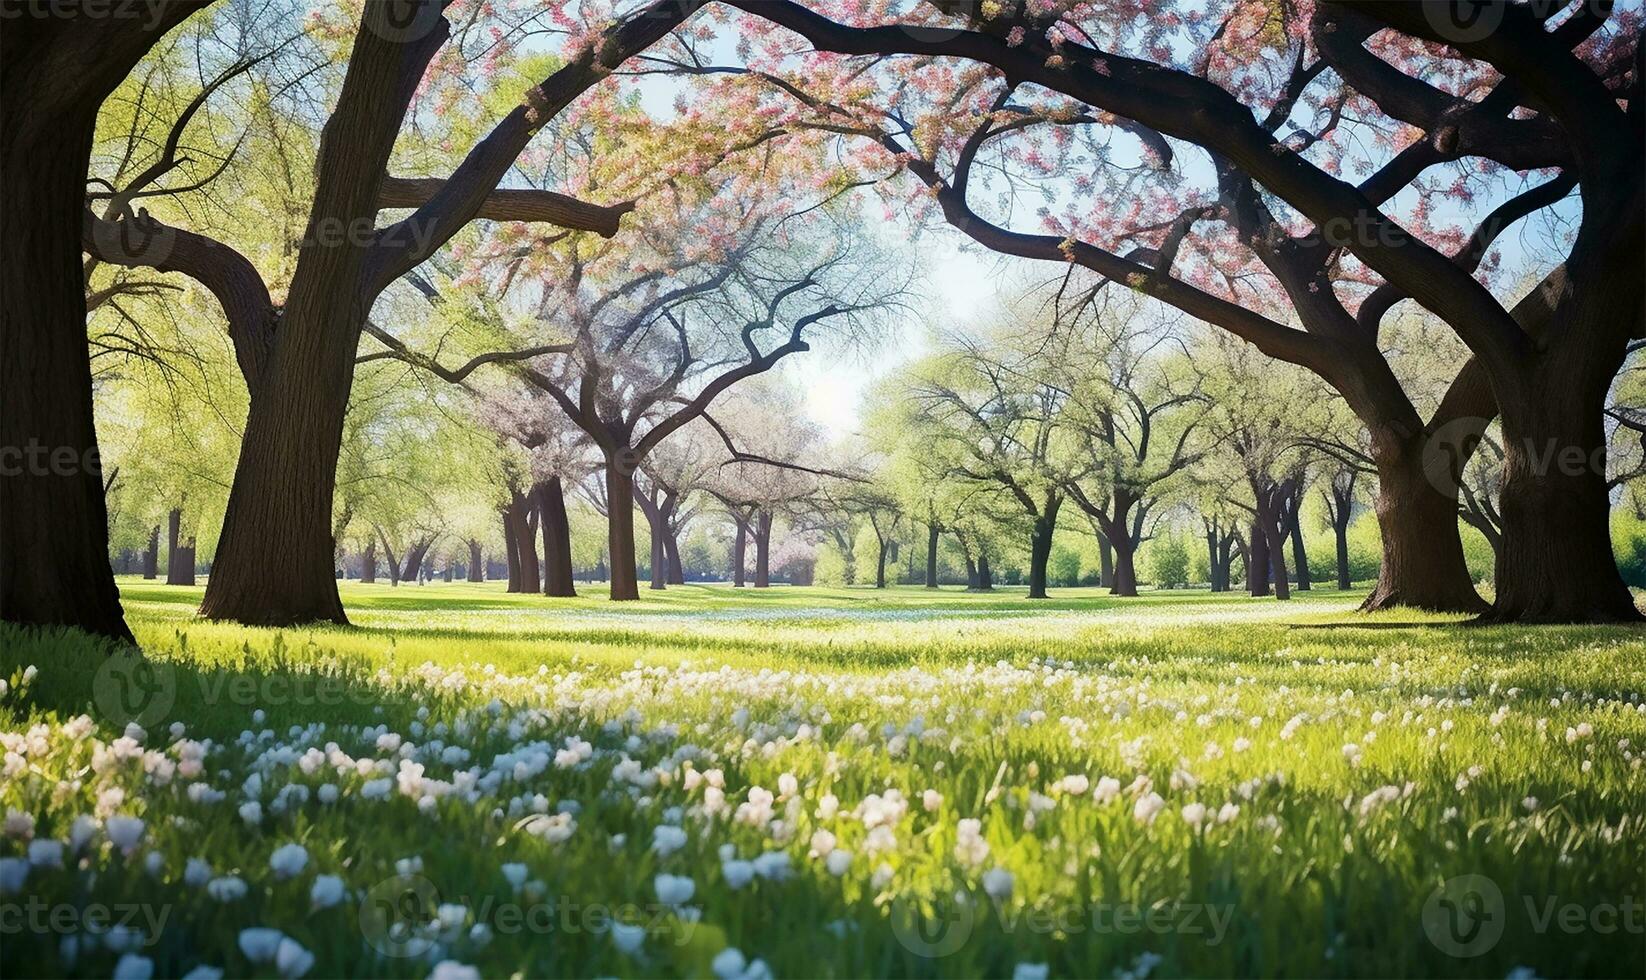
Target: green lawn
x,y
832,782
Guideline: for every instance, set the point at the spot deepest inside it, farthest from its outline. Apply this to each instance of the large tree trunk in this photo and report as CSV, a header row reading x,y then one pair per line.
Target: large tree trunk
x,y
1040,548
1125,565
181,570
1211,556
1294,527
1257,562
671,551
511,548
1226,552
174,550
880,566
985,578
1105,563
1557,564
274,558
656,519
932,531
973,581
151,554
1277,564
620,532
659,561
477,566
390,560
1422,564
413,571
557,540
763,550
368,563
740,553
1116,534
55,73
522,508
1270,525
1340,530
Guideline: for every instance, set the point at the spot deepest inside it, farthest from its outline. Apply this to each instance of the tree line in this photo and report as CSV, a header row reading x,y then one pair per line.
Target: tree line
x,y
1298,179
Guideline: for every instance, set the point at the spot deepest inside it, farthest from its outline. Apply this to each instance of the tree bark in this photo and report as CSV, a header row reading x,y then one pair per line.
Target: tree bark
x,y
1125,566
557,540
1557,564
182,569
763,550
880,565
932,531
1211,556
151,554
1343,507
1040,547
413,570
1225,563
55,73
175,572
511,547
1270,525
274,559
477,566
521,509
620,531
368,563
740,553
390,560
1422,563
656,523
1257,562
1105,559
671,551
659,562
1294,528
973,581
985,578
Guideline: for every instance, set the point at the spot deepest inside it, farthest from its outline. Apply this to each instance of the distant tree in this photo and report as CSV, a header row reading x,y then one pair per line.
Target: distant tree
x,y
1169,561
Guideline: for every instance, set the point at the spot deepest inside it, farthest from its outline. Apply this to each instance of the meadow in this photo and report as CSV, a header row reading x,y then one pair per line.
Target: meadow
x,y
814,782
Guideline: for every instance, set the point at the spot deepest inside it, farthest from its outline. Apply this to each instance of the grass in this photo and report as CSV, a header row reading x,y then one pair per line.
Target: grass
x,y
1384,795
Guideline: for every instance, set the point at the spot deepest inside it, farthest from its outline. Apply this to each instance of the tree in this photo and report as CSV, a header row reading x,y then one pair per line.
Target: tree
x,y
634,373
1260,425
275,561
768,475
1563,96
1133,412
1169,561
56,73
1339,495
997,424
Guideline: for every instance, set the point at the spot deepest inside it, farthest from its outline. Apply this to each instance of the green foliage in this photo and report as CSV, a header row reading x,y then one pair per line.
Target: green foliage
x,y
830,570
1168,560
1063,567
1629,544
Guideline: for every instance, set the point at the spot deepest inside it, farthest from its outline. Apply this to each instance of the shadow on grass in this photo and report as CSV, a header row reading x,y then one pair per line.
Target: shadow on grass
x,y
213,691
